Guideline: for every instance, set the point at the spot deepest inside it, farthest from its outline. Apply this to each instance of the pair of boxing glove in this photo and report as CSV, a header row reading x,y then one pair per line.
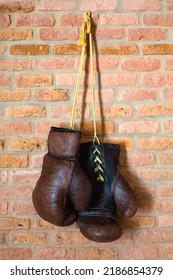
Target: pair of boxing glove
x,y
80,182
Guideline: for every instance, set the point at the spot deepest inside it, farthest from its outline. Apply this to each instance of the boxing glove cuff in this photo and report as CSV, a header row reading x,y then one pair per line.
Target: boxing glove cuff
x,y
63,142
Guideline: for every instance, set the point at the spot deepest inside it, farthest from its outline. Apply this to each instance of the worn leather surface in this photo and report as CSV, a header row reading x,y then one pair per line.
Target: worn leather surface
x,y
110,198
60,190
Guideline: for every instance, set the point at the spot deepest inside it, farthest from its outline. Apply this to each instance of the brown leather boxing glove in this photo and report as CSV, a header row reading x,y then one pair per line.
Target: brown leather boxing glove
x,y
110,193
124,197
60,190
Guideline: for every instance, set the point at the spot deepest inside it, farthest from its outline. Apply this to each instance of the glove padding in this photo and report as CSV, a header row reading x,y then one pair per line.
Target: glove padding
x,y
111,194
63,188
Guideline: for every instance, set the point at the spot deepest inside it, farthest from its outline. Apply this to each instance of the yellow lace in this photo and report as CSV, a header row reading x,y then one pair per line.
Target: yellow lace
x,y
84,31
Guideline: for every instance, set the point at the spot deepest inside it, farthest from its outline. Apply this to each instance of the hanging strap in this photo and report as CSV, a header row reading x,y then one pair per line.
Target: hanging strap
x,y
95,138
85,29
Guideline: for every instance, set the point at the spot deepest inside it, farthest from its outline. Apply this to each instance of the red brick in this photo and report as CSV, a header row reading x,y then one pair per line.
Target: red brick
x,y
118,19
13,160
114,110
166,158
40,224
155,236
141,5
109,33
32,144
139,127
21,111
97,5
15,254
165,190
155,174
165,206
157,49
103,95
118,79
159,20
125,239
155,110
103,63
53,63
16,6
54,254
33,80
139,253
9,223
3,207
139,222
168,126
37,161
169,65
147,34
4,80
155,143
44,127
9,128
29,49
124,142
118,49
75,19
71,19
59,34
65,111
15,34
3,176
158,80
35,20
2,239
68,237
141,64
95,253
70,79
166,221
20,192
137,94
15,65
51,94
56,5
107,127
5,20
25,176
28,238
14,95
169,6
137,159
67,49
21,208
166,252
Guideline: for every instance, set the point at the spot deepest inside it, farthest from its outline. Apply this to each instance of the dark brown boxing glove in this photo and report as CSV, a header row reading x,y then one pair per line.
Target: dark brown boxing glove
x,y
111,194
60,190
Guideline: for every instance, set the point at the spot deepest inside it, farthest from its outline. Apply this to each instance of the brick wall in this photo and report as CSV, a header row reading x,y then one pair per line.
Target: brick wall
x,y
38,69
